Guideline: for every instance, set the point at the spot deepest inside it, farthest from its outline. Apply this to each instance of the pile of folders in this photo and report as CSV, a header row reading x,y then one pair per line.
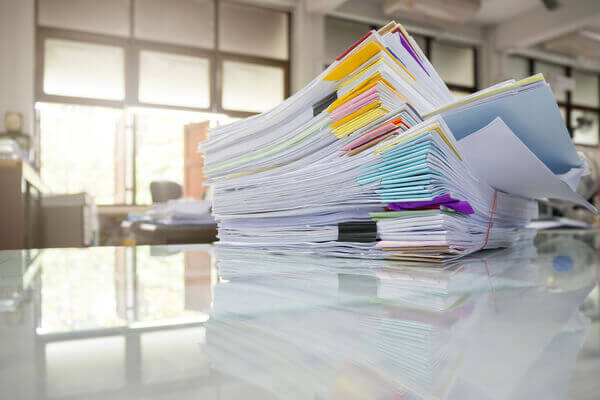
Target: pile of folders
x,y
375,158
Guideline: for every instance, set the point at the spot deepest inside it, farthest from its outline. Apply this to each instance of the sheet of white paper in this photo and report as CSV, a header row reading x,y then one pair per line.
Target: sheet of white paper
x,y
558,223
503,161
572,177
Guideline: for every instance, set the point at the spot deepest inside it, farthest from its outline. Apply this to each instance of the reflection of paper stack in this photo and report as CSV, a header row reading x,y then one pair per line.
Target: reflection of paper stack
x,y
315,327
372,159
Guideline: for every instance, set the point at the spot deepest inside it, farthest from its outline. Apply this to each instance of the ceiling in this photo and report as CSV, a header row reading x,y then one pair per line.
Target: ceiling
x,y
521,24
491,12
595,26
495,11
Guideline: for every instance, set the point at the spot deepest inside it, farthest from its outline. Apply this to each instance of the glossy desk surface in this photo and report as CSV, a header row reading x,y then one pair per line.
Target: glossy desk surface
x,y
197,322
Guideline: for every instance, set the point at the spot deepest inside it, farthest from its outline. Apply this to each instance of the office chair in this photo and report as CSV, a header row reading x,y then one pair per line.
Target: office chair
x,y
163,191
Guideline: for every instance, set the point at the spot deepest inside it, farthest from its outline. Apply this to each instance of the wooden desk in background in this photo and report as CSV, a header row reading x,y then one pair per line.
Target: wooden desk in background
x,y
20,205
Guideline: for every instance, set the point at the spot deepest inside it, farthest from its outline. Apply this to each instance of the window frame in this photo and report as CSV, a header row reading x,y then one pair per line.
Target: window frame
x,y
221,58
451,86
132,48
140,46
44,33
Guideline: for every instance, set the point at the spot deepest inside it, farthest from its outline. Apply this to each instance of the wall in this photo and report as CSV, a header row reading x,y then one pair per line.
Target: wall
x,y
17,49
308,46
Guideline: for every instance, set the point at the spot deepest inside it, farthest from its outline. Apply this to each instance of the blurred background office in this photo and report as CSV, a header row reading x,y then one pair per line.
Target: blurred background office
x,y
103,103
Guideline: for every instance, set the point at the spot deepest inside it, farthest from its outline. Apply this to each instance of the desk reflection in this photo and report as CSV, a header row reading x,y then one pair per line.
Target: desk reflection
x,y
202,322
501,324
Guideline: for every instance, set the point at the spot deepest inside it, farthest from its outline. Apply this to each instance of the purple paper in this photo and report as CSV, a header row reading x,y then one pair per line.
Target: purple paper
x,y
462,207
412,53
445,200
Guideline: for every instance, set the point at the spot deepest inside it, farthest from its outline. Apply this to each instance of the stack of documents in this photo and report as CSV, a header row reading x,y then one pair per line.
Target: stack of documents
x,y
9,149
182,212
374,159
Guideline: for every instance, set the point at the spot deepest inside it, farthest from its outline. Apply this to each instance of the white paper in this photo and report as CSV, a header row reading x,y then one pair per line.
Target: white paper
x,y
500,158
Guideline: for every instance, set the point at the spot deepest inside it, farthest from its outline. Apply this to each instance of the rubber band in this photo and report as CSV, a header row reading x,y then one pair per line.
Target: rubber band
x,y
490,224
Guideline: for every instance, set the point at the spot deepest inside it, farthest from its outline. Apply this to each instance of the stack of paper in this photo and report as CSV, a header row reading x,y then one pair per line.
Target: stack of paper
x,y
182,212
9,149
373,159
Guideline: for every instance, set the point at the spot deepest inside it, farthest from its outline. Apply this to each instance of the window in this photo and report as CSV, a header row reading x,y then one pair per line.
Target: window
x,y
170,56
159,147
585,127
242,81
73,275
113,154
579,107
516,68
586,89
174,79
78,149
161,285
455,64
80,69
563,113
549,70
106,71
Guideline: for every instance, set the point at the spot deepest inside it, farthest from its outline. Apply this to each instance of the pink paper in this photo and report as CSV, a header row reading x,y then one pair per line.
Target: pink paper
x,y
385,133
355,104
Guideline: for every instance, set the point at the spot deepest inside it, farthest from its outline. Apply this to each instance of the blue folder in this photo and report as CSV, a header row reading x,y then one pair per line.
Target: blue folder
x,y
534,117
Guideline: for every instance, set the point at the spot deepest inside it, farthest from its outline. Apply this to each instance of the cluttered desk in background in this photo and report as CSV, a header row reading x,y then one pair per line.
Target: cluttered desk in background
x,y
136,225
179,214
177,221
33,216
198,321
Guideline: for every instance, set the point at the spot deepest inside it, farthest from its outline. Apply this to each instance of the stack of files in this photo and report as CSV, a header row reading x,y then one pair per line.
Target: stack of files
x,y
181,212
9,149
373,159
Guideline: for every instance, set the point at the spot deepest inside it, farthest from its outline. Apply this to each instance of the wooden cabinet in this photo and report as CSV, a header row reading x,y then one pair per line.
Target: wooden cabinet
x,y
193,176
198,280
20,206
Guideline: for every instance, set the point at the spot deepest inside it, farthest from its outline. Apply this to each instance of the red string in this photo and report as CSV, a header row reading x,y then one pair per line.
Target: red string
x,y
487,269
490,224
